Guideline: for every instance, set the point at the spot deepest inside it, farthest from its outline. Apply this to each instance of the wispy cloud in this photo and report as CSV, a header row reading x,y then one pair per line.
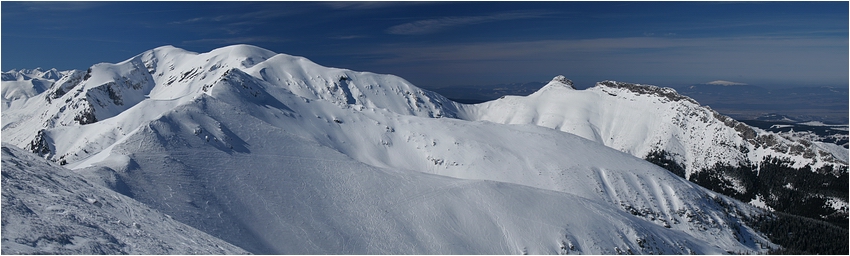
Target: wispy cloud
x,y
238,23
642,45
189,21
664,59
348,37
725,83
73,38
651,34
269,13
236,40
435,25
256,15
61,6
363,5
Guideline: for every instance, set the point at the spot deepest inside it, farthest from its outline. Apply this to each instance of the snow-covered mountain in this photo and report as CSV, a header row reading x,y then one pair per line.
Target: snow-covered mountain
x,y
653,122
276,154
20,85
641,119
165,77
29,74
50,210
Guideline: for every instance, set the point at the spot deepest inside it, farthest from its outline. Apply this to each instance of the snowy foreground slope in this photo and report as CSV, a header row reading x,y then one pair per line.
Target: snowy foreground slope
x,y
49,210
276,154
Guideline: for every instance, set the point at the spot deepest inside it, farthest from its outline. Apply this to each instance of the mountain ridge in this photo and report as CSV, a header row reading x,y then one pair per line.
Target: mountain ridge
x,y
691,140
245,144
753,138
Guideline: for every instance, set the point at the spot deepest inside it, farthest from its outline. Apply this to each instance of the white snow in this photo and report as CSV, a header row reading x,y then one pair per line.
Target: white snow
x,y
49,210
278,155
779,126
18,86
819,123
639,119
759,202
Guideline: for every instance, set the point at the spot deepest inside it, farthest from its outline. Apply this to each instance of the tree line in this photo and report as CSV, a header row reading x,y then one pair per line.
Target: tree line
x,y
804,221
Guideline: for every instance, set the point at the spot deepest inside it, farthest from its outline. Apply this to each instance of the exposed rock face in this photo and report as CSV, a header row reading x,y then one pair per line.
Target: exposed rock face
x,y
665,92
39,144
562,79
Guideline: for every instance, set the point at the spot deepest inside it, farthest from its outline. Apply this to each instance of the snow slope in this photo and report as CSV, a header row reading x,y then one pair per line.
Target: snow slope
x,y
639,119
166,76
267,190
276,154
49,210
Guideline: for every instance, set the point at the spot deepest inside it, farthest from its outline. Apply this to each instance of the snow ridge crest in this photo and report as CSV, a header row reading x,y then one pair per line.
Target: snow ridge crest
x,y
665,92
563,81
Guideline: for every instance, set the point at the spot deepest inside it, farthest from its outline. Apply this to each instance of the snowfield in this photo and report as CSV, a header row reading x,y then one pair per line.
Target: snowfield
x,y
278,155
49,210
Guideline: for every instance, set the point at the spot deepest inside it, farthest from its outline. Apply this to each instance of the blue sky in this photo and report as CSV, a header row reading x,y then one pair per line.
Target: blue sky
x,y
435,44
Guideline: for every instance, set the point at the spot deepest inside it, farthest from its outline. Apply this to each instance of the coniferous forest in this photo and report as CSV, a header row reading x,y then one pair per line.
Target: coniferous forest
x,y
803,221
801,235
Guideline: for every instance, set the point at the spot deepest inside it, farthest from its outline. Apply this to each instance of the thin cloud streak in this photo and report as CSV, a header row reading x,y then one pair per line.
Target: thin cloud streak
x,y
189,21
255,16
725,83
236,40
522,49
71,38
235,24
429,26
638,59
61,6
348,37
366,5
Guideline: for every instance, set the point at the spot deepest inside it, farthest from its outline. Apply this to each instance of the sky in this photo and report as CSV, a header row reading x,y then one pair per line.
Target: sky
x,y
439,44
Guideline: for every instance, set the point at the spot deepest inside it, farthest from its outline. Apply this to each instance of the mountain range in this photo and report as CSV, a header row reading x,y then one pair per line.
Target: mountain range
x,y
743,102
275,154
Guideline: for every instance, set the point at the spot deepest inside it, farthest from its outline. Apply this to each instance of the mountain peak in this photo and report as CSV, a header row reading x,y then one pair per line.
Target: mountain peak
x,y
563,81
557,83
27,74
244,50
170,48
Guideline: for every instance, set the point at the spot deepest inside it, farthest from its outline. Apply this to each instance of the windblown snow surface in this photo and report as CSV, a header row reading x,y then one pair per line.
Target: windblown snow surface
x,y
50,210
278,155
